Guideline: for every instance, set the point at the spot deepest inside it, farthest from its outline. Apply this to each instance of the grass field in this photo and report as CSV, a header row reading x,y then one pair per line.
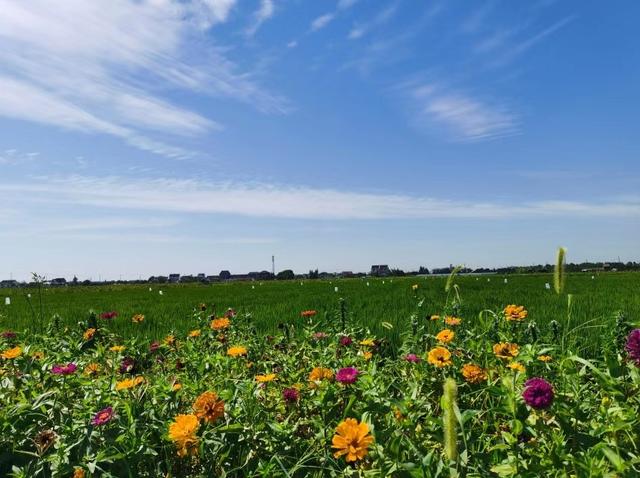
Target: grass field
x,y
369,302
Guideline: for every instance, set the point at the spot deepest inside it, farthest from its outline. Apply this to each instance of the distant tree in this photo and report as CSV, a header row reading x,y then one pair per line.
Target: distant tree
x,y
423,270
397,272
75,280
314,274
285,275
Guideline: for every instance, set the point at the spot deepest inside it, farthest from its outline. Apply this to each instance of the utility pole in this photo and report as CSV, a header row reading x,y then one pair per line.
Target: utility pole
x,y
273,265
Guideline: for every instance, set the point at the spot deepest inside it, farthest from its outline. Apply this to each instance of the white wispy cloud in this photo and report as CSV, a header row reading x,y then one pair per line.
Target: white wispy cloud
x,y
461,116
321,21
268,200
264,13
82,66
361,29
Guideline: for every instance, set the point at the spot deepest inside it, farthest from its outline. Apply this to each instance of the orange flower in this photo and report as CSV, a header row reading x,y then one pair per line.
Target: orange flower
x,y
89,333
176,386
182,432
137,319
352,440
270,377
545,358
38,355
517,366
367,355
515,313
170,340
117,348
236,351
434,317
440,357
92,369
473,373
445,336
195,333
506,350
450,320
318,374
308,313
208,407
78,472
220,324
9,354
129,383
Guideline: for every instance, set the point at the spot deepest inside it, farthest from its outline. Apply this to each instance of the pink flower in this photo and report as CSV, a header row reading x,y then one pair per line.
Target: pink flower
x,y
290,395
60,369
320,335
345,340
109,315
102,417
538,393
413,358
347,375
8,334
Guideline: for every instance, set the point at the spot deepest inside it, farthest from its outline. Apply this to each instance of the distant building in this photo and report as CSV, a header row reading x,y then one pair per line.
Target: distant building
x,y
213,279
6,284
225,275
202,277
174,278
380,270
59,281
346,274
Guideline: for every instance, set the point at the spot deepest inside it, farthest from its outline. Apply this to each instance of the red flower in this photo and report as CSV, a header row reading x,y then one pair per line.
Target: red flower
x,y
109,315
102,417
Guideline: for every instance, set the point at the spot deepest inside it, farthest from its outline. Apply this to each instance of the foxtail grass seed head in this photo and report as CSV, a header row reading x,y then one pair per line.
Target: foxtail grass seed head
x,y
558,273
449,396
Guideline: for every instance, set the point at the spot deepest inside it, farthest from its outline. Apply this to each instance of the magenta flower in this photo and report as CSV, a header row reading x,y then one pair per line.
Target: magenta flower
x,y
320,335
413,358
127,365
290,395
103,417
633,346
60,369
347,375
345,340
109,315
538,393
154,346
8,334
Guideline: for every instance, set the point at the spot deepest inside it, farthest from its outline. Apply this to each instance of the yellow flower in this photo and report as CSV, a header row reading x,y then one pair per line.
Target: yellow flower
x,y
434,317
169,340
208,407
9,354
440,357
176,386
78,472
129,383
506,350
545,358
117,348
414,287
92,369
352,440
195,333
270,377
138,318
445,336
182,432
473,373
367,355
89,333
450,320
220,324
515,312
38,355
236,351
517,366
368,342
318,374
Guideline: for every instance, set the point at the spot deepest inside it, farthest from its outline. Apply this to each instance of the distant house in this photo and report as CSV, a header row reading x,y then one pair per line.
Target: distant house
x,y
202,277
380,270
174,278
6,284
59,281
213,279
225,275
346,274
188,279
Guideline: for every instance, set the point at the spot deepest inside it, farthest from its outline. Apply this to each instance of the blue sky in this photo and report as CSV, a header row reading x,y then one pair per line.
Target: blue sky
x,y
147,137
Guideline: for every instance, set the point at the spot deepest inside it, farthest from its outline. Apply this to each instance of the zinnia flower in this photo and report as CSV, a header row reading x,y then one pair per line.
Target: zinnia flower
x,y
538,393
88,334
208,407
506,350
347,375
220,324
44,439
414,287
345,341
352,440
445,336
368,342
195,333
230,313
8,334
318,374
473,373
434,317
38,355
78,472
155,345
449,320
290,395
137,319
440,357
270,377
129,383
182,432
170,340
515,313
308,313
102,417
367,355
517,366
60,369
117,348
633,346
92,369
320,335
236,351
109,315
9,354
127,365
545,358
413,358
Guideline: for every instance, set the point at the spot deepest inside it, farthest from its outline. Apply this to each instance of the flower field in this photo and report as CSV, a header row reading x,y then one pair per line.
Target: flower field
x,y
434,389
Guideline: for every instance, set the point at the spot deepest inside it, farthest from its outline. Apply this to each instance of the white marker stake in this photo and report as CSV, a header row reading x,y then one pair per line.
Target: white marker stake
x,y
335,288
160,292
7,301
547,285
505,280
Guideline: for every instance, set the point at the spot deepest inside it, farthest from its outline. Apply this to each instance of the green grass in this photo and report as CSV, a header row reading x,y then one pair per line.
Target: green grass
x,y
594,303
